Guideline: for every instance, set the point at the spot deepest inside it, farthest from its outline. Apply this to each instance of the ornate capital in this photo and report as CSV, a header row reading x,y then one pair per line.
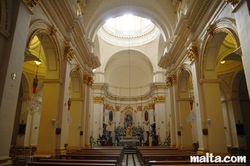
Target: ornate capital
x,y
31,3
139,108
151,105
192,53
90,81
169,81
69,53
234,3
173,77
98,99
159,99
117,108
146,107
85,79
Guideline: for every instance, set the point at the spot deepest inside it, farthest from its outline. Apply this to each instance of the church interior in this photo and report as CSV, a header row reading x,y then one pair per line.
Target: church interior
x,y
124,74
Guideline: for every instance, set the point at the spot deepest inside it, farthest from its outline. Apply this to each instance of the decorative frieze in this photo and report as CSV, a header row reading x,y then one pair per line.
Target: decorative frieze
x,y
69,53
159,99
98,99
192,53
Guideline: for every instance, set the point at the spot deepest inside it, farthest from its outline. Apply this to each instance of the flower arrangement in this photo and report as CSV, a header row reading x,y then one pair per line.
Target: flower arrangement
x,y
151,133
91,140
167,141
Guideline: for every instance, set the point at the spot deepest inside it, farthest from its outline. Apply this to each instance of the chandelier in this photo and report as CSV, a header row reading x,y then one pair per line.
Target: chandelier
x,y
33,105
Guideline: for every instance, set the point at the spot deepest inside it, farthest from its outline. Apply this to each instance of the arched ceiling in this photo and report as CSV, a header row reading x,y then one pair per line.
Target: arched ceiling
x,y
128,69
161,13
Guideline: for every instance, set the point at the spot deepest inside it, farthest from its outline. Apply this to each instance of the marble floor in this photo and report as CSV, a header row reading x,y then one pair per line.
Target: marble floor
x,y
130,160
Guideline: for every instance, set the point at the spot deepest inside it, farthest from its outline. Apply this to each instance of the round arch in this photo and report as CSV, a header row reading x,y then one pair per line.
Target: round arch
x,y
216,33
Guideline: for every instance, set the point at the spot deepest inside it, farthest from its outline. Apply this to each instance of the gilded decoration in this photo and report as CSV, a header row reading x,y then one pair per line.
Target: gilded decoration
x,y
128,107
151,105
117,108
192,53
111,108
169,81
139,108
98,99
159,99
52,31
90,81
234,3
146,107
31,3
210,29
85,79
173,77
69,53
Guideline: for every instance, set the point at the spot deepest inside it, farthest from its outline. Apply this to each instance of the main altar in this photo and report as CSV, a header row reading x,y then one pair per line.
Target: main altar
x,y
129,136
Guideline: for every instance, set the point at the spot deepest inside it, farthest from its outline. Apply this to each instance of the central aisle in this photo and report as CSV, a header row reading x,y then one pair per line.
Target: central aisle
x,y
130,159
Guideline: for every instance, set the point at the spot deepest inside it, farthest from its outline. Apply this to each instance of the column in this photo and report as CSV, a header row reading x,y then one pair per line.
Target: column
x,y
198,105
175,110
11,72
160,110
63,114
49,120
185,126
87,114
235,117
242,18
75,127
214,117
83,111
97,119
171,111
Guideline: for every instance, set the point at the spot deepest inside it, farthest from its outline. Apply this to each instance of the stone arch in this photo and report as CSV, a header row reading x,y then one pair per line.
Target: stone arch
x,y
216,33
51,52
76,83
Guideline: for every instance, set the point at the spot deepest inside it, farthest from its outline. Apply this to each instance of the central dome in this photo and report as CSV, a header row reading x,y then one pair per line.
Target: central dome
x,y
128,30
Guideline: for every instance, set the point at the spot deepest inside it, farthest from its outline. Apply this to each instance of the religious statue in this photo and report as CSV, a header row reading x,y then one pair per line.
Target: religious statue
x,y
129,131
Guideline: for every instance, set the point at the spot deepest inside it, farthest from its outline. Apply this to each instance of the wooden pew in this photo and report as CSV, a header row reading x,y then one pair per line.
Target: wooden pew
x,y
93,157
144,156
181,163
79,161
205,164
64,164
